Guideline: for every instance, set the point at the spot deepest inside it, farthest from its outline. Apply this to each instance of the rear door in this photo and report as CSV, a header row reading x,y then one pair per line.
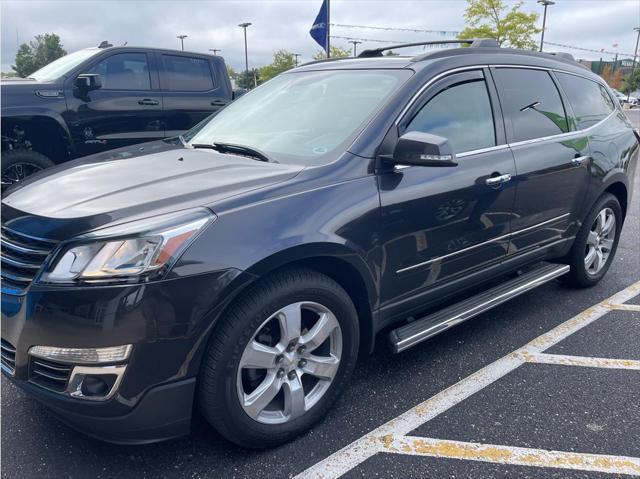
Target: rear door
x,y
552,158
439,223
127,109
190,90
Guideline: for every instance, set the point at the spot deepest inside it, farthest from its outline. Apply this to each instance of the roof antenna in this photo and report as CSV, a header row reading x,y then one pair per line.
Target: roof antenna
x,y
105,44
125,44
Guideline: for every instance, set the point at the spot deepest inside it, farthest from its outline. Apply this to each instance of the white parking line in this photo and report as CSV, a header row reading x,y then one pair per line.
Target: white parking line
x,y
358,451
626,307
586,361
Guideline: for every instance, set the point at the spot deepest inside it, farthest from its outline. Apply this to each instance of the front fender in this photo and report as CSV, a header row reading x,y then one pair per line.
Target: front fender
x,y
28,113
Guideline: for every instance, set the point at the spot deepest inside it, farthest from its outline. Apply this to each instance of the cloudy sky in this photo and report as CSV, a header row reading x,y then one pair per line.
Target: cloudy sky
x,y
593,24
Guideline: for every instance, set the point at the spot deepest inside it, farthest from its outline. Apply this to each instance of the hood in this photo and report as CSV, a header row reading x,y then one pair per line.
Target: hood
x,y
107,189
19,92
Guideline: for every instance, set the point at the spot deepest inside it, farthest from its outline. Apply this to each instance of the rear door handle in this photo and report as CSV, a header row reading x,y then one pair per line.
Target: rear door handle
x,y
218,103
579,160
498,180
148,101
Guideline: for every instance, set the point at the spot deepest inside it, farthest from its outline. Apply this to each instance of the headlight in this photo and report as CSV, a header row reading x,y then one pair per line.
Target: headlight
x,y
131,250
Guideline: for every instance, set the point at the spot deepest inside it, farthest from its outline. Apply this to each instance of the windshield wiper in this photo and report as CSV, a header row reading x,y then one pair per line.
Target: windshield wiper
x,y
237,149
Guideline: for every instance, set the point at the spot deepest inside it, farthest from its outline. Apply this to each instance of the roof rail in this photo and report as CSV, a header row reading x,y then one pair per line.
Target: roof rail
x,y
476,43
566,56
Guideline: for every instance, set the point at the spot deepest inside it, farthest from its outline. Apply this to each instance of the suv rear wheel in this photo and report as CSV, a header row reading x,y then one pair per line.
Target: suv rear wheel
x,y
279,358
20,163
596,243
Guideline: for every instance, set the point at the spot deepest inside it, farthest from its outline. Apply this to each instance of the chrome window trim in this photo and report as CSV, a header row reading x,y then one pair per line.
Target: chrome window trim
x,y
441,75
493,240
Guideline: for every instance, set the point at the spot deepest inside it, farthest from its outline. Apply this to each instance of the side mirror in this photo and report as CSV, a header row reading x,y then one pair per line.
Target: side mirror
x,y
88,81
423,149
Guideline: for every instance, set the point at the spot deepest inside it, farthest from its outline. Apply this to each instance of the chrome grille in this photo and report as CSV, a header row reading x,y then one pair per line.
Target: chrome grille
x,y
49,374
22,257
8,353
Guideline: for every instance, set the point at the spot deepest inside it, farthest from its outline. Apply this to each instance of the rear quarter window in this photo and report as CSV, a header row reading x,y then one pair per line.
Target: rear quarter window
x,y
589,100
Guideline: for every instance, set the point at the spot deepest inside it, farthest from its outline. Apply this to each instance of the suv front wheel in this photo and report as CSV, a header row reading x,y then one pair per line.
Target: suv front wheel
x,y
279,358
18,164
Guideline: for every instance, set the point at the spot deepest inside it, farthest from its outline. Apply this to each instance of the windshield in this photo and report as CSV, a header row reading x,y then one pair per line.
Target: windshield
x,y
302,116
62,65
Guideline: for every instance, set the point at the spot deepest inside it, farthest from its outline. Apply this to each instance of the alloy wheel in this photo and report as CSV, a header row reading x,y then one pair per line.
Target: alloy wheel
x,y
289,363
600,241
17,172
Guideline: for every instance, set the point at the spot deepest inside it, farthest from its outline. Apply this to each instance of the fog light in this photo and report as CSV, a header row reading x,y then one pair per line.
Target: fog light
x,y
83,355
96,383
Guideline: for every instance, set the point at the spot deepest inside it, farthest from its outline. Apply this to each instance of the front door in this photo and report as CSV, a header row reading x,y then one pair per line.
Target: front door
x,y
552,161
438,223
125,110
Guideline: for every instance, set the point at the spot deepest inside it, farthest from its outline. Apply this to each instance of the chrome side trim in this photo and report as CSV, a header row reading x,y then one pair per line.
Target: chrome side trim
x,y
478,309
470,248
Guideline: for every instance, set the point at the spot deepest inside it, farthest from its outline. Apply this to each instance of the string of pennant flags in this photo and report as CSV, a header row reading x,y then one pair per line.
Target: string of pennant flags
x,y
451,33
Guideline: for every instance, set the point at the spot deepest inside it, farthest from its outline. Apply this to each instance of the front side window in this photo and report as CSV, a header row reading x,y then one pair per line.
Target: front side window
x,y
124,71
186,73
531,103
302,116
462,114
589,100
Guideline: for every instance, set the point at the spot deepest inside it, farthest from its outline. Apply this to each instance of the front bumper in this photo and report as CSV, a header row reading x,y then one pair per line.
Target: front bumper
x,y
167,323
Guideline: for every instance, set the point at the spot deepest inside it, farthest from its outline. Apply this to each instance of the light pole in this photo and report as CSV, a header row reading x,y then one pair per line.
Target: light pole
x,y
635,55
246,56
296,55
215,50
546,3
182,37
355,43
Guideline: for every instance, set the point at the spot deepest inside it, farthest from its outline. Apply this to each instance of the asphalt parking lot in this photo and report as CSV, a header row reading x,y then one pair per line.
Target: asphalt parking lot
x,y
544,386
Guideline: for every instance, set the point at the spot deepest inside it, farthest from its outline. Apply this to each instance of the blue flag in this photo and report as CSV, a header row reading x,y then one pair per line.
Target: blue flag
x,y
320,27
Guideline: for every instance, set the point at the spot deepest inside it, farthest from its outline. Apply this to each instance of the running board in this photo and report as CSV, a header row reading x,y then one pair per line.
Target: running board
x,y
421,329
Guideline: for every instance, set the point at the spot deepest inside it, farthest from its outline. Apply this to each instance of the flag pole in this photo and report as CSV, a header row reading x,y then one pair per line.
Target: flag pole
x,y
328,42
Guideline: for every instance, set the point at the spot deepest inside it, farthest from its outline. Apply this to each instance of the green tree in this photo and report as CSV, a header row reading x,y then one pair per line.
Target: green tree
x,y
336,52
248,79
38,53
282,61
391,53
632,82
490,19
232,73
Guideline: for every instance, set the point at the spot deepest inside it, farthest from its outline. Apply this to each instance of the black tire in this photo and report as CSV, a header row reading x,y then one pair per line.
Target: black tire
x,y
20,163
218,396
578,276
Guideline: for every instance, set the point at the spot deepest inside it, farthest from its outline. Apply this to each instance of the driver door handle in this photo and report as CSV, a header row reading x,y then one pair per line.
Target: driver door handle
x,y
577,161
498,180
148,101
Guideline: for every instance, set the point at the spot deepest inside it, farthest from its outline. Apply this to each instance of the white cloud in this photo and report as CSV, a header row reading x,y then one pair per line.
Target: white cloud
x,y
285,24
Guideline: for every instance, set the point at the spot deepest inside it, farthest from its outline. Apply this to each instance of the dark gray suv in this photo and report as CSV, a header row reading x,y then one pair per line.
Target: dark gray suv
x,y
241,268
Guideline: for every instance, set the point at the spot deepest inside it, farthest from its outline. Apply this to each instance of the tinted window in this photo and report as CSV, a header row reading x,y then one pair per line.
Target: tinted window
x,y
531,103
589,100
124,71
462,114
186,73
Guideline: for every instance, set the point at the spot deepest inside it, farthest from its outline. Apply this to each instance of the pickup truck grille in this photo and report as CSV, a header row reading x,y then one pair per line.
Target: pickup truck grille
x,y
22,257
49,374
8,353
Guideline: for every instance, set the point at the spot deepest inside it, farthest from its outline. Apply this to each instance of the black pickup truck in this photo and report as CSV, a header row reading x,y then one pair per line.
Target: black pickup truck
x,y
101,98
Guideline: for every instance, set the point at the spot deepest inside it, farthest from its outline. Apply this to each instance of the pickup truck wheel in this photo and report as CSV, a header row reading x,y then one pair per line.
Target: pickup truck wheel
x,y
279,358
19,164
596,243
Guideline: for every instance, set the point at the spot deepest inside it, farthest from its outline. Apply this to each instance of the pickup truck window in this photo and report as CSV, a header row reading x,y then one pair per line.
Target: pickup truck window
x,y
183,73
590,101
124,71
302,116
531,103
462,114
62,65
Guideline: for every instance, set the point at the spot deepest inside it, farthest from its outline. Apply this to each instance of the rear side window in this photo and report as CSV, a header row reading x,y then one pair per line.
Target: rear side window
x,y
589,100
531,103
124,71
186,73
462,114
